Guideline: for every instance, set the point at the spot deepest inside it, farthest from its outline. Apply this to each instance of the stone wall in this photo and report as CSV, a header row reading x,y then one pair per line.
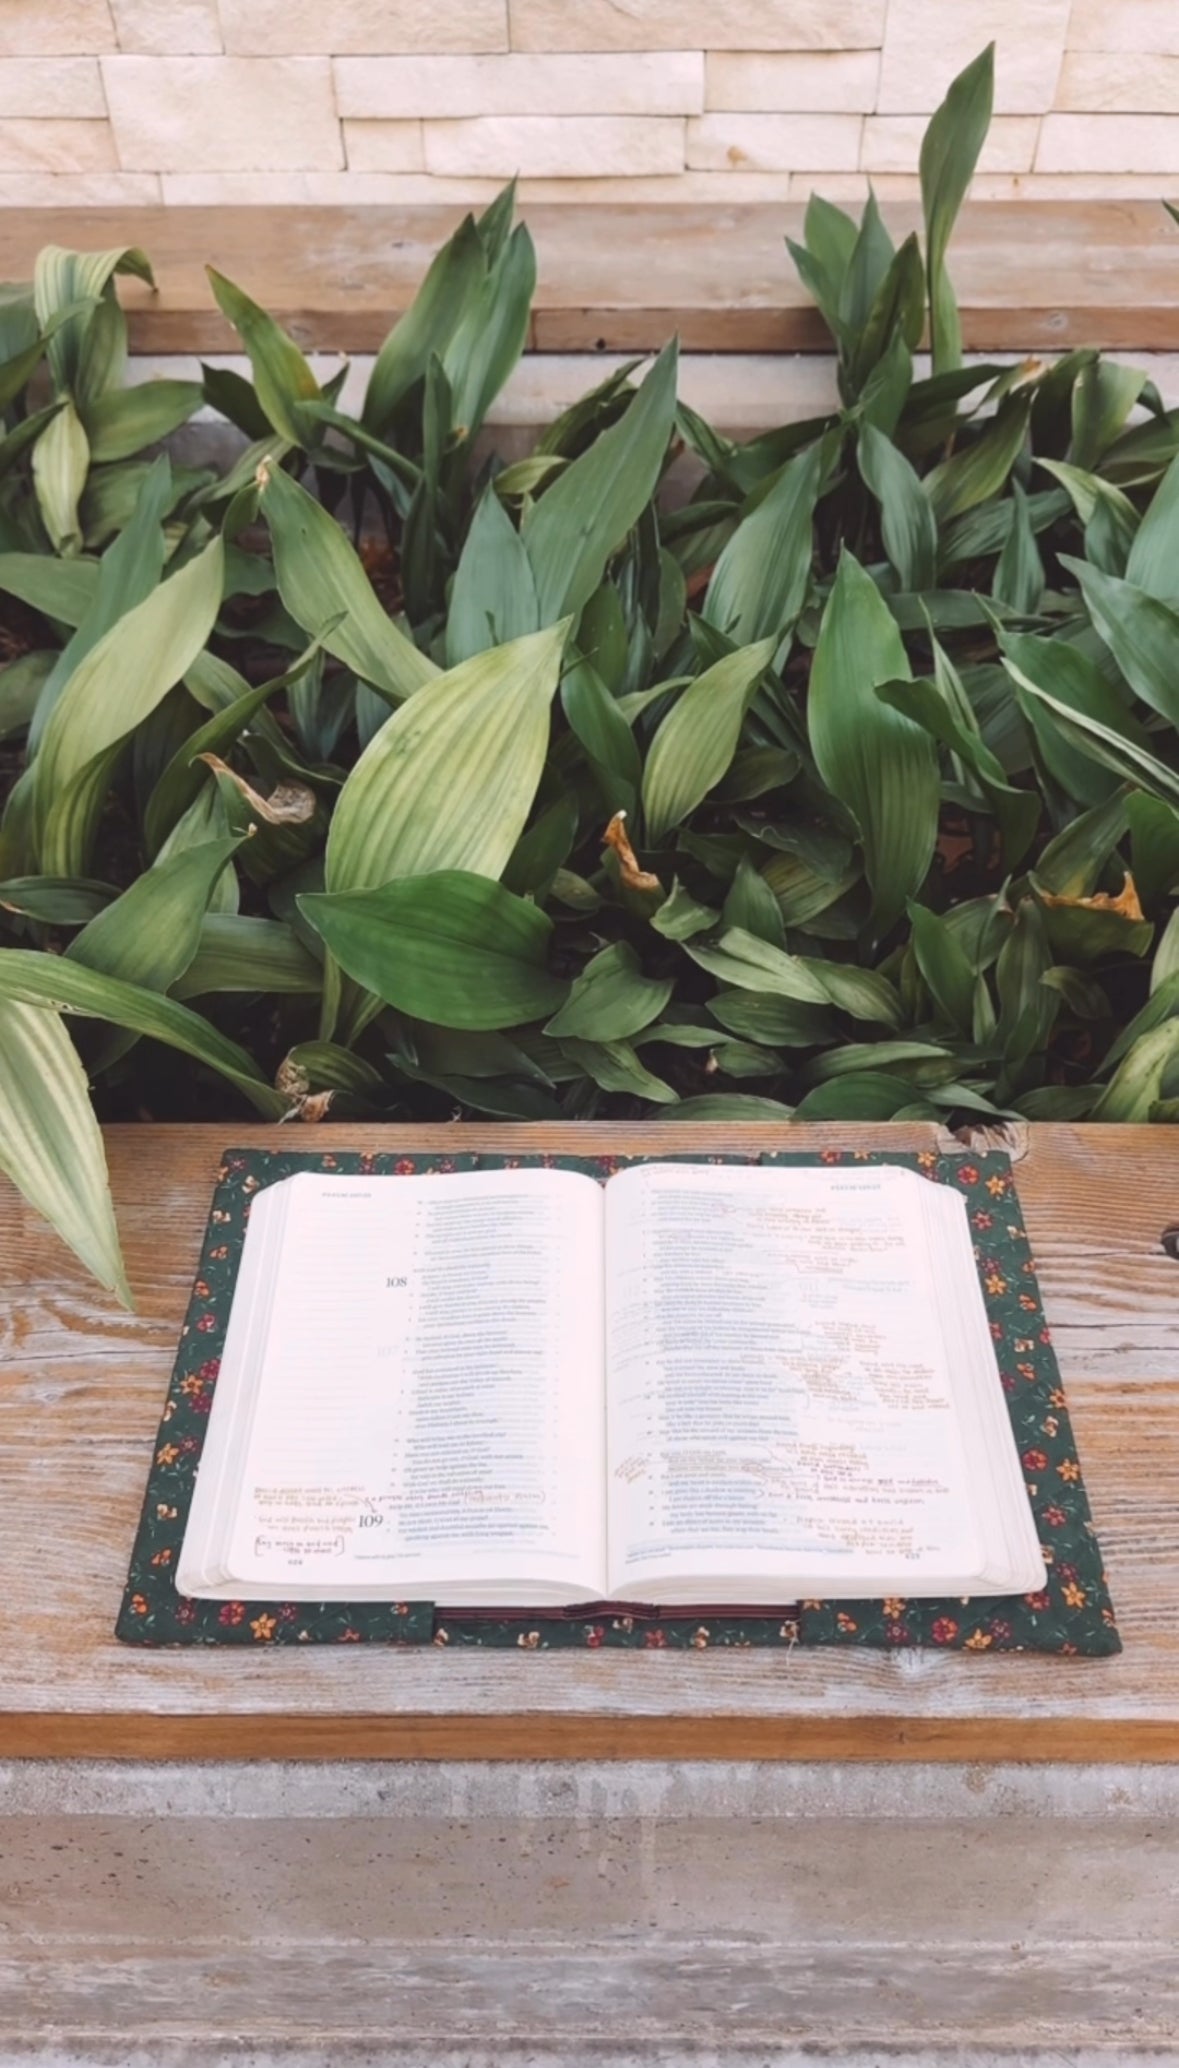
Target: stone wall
x,y
230,101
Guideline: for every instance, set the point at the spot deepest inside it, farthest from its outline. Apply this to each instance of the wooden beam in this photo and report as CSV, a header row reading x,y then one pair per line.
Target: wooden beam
x,y
1031,276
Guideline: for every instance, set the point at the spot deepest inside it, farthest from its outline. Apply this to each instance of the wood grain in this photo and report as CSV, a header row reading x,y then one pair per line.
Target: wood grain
x,y
81,1387
1030,275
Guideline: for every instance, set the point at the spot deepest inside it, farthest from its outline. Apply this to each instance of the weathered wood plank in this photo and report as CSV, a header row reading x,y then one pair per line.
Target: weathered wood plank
x,y
82,1385
1030,275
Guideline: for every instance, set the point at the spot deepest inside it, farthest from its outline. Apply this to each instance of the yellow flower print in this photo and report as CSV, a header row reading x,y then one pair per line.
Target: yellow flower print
x,y
264,1627
979,1641
1069,1469
167,1455
893,1609
995,1283
1074,1595
997,1186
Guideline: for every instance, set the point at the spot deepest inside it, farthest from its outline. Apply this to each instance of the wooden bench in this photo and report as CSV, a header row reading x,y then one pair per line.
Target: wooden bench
x,y
363,1856
83,1385
1030,276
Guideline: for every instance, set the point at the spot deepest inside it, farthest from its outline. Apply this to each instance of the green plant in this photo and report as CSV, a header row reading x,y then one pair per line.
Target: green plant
x,y
374,777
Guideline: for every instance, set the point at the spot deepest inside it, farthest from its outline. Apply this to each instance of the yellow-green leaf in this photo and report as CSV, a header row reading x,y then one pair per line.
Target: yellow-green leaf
x,y
696,742
283,380
319,576
449,781
114,687
61,458
50,1144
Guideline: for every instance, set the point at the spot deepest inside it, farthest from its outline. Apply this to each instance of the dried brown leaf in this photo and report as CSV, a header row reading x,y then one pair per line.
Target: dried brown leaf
x,y
1125,904
632,876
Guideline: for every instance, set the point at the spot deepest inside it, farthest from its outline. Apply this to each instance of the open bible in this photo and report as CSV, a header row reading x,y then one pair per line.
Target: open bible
x,y
697,1383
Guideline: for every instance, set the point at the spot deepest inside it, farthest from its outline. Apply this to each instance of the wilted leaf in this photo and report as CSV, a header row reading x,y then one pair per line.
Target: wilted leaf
x,y
617,840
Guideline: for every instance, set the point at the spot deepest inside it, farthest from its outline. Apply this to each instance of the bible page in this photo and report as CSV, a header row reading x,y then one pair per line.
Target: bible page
x,y
427,1414
780,1415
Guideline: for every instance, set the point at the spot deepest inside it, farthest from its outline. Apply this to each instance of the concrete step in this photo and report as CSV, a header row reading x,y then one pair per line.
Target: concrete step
x,y
559,1916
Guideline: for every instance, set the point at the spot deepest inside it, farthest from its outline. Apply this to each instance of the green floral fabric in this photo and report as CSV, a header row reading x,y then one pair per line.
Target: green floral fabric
x,y
1071,1615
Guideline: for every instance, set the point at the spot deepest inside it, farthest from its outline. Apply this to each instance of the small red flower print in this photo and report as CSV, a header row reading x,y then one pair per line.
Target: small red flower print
x,y
846,1623
1055,1517
1035,1461
968,1173
1042,1599
1026,1371
207,1324
349,1636
446,1166
186,1613
1027,1303
595,1636
365,1165
203,1403
218,1255
162,1557
1069,1470
945,1630
896,1633
288,1613
138,1605
210,1370
1056,1398
997,1331
1068,1651
404,1167
188,1444
201,1288
233,1612
982,1222
655,1640
1001,1630
831,1156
